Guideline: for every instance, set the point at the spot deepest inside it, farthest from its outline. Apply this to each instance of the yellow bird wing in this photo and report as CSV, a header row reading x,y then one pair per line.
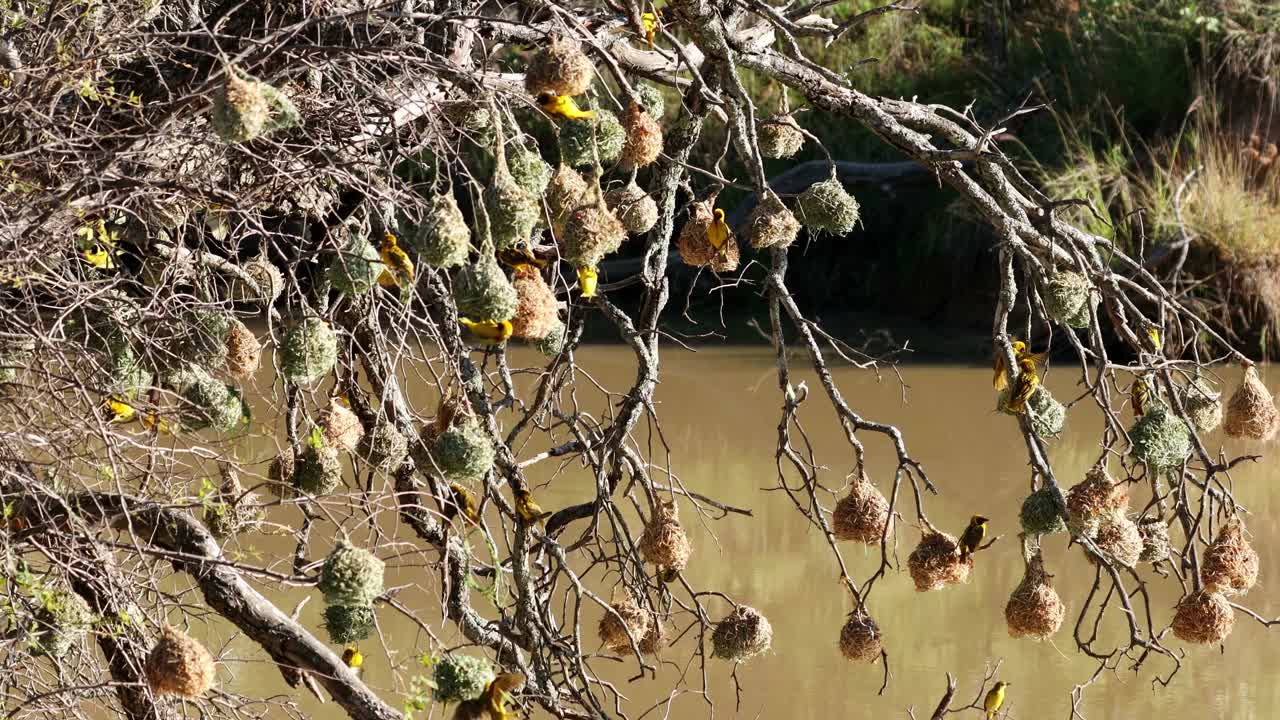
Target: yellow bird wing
x,y
1000,380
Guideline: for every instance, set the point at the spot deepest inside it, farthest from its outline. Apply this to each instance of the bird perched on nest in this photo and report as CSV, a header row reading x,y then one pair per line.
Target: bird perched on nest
x,y
495,331
1020,351
1024,386
399,266
994,699
528,508
563,106
519,256
718,233
588,279
463,501
972,536
493,703
1140,396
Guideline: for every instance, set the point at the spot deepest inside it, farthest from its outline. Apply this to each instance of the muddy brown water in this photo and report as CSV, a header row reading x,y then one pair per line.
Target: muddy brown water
x,y
719,411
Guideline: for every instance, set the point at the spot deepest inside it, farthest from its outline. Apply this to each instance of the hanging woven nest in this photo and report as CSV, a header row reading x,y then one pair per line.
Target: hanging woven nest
x,y
560,68
231,510
267,285
656,637
553,343
779,137
771,224
936,562
1251,412
695,247
664,542
1094,499
178,665
564,195
638,211
384,447
341,427
863,515
1041,513
318,471
513,211
537,312
591,232
1156,545
1230,564
1203,405
208,402
202,339
1119,540
355,269
1067,298
651,99
1160,438
483,292
458,678
460,446
280,473
244,352
743,634
860,639
349,623
351,576
308,351
529,170
240,108
643,143
442,238
593,141
61,622
825,207
1203,618
1034,609
1048,416
613,627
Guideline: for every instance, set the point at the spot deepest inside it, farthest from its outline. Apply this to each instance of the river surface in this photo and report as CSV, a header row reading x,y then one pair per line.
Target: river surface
x,y
719,413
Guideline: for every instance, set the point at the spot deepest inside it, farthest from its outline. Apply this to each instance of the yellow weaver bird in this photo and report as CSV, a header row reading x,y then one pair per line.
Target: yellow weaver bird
x,y
1139,396
528,508
718,233
972,536
119,411
652,22
1024,387
493,703
97,243
495,331
588,278
397,261
463,501
1020,351
353,658
995,698
563,106
519,256
1153,334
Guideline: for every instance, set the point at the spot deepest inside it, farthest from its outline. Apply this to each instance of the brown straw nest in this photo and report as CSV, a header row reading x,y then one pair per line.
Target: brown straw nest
x,y
613,626
1093,500
696,250
243,351
863,514
1230,565
1155,540
936,562
1119,540
644,137
564,194
743,634
591,232
1251,412
656,637
638,211
771,224
779,137
664,542
1034,609
342,429
860,639
1203,618
560,68
537,312
178,665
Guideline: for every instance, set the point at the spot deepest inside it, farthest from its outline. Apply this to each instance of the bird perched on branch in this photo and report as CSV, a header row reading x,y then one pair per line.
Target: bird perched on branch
x,y
1140,396
972,536
493,703
1024,386
994,699
1020,351
118,411
463,501
495,331
528,508
399,266
563,106
718,233
588,278
652,23
353,658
